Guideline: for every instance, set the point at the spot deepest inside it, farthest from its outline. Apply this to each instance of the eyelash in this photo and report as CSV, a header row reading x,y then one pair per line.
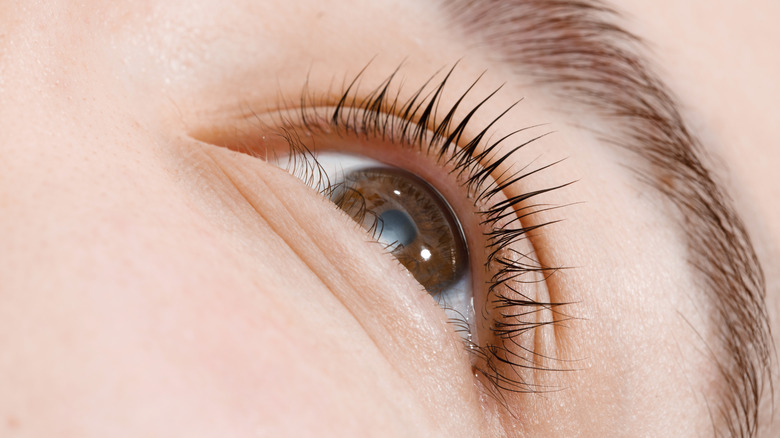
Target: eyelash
x,y
413,123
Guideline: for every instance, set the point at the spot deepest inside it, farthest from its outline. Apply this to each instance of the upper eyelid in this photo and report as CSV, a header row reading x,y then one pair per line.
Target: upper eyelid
x,y
418,115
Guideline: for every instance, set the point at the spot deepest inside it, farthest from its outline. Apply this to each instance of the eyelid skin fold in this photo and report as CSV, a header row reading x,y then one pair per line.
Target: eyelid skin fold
x,y
503,209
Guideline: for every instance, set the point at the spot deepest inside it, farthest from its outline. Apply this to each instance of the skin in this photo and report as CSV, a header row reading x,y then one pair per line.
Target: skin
x,y
154,284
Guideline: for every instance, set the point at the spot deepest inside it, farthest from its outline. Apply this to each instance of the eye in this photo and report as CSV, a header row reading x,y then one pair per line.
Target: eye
x,y
444,199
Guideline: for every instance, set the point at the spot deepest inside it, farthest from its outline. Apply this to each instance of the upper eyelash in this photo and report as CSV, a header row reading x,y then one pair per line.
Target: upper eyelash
x,y
414,122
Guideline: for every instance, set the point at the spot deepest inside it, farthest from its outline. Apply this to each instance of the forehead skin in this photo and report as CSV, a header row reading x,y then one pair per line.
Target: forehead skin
x,y
131,283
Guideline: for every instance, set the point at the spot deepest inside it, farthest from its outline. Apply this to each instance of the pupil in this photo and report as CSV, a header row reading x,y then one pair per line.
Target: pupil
x,y
407,214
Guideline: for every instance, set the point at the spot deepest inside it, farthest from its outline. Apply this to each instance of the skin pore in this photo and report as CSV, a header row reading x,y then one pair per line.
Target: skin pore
x,y
155,283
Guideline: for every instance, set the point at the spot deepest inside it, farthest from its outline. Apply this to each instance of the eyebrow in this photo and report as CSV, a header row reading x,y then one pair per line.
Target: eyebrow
x,y
578,49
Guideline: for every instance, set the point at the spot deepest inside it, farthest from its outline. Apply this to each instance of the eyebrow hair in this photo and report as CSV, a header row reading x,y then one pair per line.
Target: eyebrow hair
x,y
578,49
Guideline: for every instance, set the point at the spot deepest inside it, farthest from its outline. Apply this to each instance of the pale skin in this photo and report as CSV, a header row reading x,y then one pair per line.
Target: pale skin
x,y
154,284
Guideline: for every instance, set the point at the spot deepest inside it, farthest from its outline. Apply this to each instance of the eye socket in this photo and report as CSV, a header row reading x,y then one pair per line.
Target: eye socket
x,y
492,193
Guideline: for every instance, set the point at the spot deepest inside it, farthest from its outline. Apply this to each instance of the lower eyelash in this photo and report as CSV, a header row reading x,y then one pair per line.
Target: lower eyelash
x,y
415,123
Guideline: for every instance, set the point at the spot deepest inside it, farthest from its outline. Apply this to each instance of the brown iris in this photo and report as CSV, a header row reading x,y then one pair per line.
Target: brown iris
x,y
411,218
